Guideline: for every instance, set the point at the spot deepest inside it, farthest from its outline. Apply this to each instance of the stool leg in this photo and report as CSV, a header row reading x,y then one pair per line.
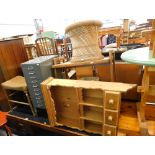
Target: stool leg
x,y
8,131
145,85
30,103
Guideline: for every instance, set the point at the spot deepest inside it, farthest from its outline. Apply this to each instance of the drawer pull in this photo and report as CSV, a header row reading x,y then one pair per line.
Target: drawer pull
x,y
34,81
32,77
66,105
31,73
111,101
110,118
35,86
37,94
30,67
108,132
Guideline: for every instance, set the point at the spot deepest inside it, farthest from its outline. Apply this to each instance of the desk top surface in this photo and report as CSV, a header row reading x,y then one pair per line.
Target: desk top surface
x,y
140,56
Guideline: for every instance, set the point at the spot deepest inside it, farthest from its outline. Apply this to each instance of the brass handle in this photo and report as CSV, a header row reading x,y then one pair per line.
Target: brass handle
x,y
111,101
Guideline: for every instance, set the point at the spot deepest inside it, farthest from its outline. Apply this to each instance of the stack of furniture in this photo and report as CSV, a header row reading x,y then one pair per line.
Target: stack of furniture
x,y
91,106
86,53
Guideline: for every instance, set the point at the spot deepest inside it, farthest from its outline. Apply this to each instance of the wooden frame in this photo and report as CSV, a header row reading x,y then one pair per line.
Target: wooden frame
x,y
81,105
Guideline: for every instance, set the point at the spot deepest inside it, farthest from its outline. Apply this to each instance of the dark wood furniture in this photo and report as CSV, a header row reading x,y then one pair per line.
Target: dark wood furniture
x,y
12,54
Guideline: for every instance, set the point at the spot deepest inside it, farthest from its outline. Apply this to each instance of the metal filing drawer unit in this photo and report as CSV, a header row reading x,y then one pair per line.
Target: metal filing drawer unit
x,y
35,71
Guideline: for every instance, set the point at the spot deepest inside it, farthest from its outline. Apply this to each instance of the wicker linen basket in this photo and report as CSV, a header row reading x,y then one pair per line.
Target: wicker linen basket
x,y
84,39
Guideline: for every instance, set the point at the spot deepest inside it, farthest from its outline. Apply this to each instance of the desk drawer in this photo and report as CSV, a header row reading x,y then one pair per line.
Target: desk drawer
x,y
112,100
111,118
110,130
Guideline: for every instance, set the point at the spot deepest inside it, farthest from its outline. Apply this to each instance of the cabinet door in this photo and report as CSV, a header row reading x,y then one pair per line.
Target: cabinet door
x,y
67,105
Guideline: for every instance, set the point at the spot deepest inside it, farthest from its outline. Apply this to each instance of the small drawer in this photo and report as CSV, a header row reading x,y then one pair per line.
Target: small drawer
x,y
110,130
112,100
111,117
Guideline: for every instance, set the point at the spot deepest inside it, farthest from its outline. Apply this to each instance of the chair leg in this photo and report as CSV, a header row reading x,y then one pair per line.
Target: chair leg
x,y
30,103
8,130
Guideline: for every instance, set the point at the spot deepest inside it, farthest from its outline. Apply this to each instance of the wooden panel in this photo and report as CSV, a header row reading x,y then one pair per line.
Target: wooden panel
x,y
66,104
84,72
12,54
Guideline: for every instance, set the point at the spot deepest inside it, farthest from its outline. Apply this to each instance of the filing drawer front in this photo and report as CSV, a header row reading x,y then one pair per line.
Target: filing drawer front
x,y
112,100
35,71
110,130
111,117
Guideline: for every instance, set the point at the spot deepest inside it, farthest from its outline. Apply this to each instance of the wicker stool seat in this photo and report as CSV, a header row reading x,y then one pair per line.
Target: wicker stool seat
x,y
84,38
12,87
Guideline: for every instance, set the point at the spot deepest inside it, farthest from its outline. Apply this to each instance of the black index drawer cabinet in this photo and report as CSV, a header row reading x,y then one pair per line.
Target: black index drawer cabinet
x,y
35,71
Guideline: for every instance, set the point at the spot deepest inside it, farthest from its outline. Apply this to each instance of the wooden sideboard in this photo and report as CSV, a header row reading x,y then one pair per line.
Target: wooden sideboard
x,y
12,54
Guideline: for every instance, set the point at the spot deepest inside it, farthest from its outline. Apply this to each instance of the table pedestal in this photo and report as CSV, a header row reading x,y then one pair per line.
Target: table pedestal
x,y
146,90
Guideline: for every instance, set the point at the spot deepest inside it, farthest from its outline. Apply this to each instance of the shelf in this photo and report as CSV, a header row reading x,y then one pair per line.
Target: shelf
x,y
93,114
92,127
92,101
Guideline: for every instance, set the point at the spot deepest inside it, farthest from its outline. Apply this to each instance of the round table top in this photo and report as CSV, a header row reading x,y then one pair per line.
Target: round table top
x,y
140,56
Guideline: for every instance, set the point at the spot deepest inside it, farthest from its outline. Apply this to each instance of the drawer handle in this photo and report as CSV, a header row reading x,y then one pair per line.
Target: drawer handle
x,y
30,68
34,81
35,86
31,73
66,105
111,101
37,93
108,132
32,77
110,118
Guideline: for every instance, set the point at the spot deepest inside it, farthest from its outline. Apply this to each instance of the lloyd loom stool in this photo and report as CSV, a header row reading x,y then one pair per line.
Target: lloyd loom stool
x,y
144,56
85,46
12,87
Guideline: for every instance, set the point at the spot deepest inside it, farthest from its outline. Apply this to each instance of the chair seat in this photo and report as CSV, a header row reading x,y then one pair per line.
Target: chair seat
x,y
16,83
3,119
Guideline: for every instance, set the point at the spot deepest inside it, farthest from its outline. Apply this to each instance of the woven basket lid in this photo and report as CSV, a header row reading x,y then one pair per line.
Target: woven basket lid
x,y
82,23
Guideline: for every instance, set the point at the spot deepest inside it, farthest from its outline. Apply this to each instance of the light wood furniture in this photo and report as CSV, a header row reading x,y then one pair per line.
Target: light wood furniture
x,y
45,46
144,57
86,52
12,88
91,106
116,31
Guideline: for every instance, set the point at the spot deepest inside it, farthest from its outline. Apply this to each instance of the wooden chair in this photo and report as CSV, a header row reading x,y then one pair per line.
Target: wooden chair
x,y
16,87
45,46
3,123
